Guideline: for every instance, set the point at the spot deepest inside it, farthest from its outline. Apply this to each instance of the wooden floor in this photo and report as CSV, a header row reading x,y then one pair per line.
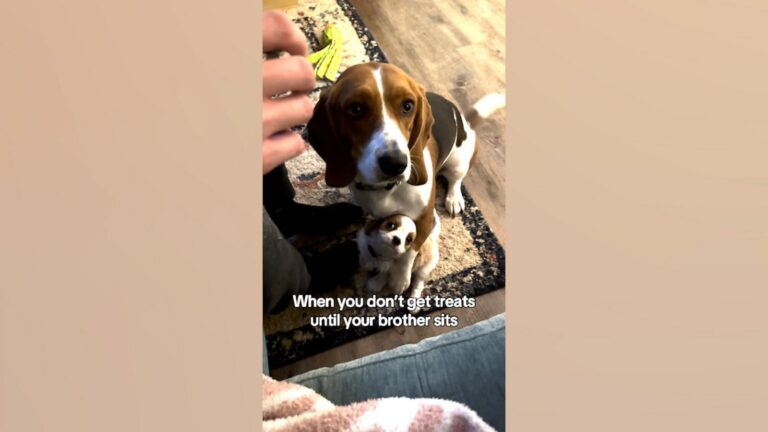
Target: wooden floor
x,y
456,49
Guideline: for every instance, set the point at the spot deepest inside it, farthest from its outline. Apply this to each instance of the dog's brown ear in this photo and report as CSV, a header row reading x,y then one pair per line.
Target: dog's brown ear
x,y
323,135
371,225
421,132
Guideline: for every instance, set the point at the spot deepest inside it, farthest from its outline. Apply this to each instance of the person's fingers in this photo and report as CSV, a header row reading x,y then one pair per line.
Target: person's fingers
x,y
282,75
280,34
280,148
285,74
284,113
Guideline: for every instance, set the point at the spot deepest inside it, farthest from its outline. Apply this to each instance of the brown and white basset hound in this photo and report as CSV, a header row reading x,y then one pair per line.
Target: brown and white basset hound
x,y
383,135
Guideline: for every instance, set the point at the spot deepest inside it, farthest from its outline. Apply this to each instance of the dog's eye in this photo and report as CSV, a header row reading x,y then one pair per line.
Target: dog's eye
x,y
408,239
390,226
407,106
355,109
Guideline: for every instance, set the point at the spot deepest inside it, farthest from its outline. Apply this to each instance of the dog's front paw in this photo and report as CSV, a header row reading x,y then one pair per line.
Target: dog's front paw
x,y
417,289
375,284
398,285
454,203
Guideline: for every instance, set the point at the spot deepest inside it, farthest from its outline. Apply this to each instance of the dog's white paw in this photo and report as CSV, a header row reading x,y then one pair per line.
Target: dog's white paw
x,y
417,289
375,284
454,203
398,284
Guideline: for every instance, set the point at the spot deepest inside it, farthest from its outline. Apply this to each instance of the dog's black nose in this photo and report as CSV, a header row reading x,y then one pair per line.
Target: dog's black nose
x,y
396,241
393,163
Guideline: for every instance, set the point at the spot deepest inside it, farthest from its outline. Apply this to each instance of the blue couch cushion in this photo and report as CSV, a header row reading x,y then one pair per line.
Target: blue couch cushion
x,y
466,365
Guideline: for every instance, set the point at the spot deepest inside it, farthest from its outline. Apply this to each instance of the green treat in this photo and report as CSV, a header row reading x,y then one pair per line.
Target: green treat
x,y
327,60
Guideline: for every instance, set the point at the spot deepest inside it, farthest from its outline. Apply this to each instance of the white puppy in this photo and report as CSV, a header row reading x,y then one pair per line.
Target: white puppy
x,y
383,243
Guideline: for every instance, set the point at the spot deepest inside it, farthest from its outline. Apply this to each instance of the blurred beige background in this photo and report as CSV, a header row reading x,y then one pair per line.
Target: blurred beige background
x,y
129,210
638,209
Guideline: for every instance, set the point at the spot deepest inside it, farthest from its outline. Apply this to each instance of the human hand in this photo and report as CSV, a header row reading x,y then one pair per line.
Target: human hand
x,y
286,74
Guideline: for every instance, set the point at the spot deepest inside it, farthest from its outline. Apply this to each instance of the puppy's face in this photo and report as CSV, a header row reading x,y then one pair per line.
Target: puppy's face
x,y
390,237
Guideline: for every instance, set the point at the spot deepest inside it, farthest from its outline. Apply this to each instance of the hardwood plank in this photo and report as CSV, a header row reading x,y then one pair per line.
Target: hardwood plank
x,y
280,4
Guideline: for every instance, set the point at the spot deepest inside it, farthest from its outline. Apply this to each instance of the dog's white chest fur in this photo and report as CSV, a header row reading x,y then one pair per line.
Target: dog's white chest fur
x,y
404,198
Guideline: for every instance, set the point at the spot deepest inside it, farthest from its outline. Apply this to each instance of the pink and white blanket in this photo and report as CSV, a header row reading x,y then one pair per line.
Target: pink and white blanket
x,y
291,407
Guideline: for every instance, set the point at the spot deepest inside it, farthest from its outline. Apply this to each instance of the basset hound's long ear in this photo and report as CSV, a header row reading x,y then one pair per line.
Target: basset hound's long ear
x,y
323,135
421,132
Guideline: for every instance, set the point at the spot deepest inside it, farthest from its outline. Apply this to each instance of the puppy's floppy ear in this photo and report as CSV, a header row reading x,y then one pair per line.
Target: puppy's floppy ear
x,y
421,132
371,225
322,134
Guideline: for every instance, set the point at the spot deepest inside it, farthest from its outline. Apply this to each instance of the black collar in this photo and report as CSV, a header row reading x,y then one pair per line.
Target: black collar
x,y
369,187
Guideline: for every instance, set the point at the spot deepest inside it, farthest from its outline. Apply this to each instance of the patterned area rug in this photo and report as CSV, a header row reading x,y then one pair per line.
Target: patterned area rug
x,y
471,258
